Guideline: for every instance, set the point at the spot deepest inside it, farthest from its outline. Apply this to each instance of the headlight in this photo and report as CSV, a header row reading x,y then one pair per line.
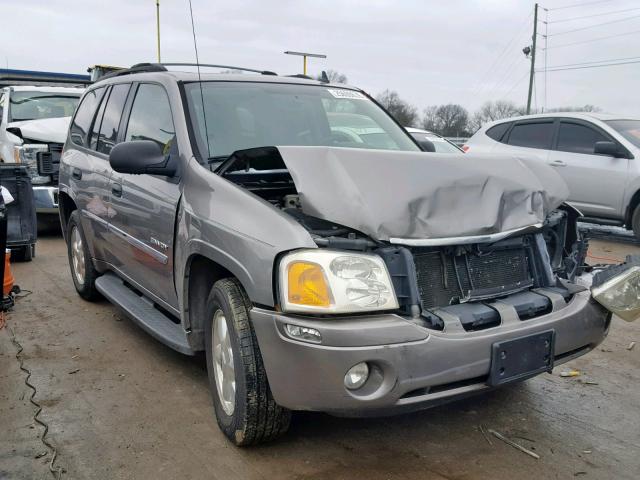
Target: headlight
x,y
328,281
28,155
621,294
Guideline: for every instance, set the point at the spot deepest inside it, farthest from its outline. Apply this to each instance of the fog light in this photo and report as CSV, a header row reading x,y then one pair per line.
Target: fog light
x,y
621,294
356,376
304,334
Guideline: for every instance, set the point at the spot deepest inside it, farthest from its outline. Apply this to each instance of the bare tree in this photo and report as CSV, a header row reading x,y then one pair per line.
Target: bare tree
x,y
449,120
404,113
430,119
494,110
334,76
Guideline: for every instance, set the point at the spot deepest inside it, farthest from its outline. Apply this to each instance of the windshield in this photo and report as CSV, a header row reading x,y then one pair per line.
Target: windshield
x,y
241,115
38,105
440,144
629,129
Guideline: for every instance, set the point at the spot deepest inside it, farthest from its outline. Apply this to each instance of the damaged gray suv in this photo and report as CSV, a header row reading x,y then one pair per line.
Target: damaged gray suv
x,y
296,234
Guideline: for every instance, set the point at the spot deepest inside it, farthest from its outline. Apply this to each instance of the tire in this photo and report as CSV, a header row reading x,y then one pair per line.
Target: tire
x,y
635,222
250,415
83,272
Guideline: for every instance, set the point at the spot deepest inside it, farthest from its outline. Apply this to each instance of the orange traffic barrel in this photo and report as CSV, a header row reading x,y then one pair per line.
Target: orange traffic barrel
x,y
7,283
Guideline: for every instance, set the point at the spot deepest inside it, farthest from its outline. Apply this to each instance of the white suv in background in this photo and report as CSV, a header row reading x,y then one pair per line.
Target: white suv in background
x,y
34,121
598,156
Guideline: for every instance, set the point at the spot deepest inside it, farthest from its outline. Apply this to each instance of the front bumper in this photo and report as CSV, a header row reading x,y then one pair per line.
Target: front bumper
x,y
46,199
417,367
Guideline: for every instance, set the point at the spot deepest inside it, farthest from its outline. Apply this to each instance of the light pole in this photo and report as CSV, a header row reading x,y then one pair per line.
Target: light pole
x,y
305,55
158,26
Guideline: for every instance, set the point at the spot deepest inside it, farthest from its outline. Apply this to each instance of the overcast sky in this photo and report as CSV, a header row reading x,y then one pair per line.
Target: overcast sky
x,y
430,52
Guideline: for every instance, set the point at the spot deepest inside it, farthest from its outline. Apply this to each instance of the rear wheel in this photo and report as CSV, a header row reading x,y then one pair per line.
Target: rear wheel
x,y
243,403
635,222
83,272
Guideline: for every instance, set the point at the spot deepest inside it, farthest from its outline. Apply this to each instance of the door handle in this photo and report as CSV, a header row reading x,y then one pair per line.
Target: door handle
x,y
557,163
116,189
76,173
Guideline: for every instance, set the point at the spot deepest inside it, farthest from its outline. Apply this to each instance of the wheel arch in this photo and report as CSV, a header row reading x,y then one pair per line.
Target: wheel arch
x,y
201,273
66,206
633,204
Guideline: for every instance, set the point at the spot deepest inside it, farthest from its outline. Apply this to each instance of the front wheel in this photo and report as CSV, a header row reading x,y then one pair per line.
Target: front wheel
x,y
244,406
635,222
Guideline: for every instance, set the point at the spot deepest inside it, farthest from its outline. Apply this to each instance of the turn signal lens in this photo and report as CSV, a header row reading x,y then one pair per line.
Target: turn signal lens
x,y
307,285
621,294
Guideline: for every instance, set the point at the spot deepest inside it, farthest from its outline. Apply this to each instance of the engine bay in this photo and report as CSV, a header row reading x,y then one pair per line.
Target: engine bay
x,y
430,282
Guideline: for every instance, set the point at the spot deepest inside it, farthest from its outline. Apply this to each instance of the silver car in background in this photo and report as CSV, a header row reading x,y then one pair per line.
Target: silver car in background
x,y
432,142
598,155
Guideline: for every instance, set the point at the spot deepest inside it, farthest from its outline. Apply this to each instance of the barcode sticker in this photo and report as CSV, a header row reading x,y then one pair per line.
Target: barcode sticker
x,y
350,94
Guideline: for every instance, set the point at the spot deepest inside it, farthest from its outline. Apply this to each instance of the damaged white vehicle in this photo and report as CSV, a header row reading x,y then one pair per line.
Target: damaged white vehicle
x,y
347,273
33,126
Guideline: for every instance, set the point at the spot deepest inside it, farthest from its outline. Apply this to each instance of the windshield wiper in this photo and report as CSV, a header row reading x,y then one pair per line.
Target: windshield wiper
x,y
215,162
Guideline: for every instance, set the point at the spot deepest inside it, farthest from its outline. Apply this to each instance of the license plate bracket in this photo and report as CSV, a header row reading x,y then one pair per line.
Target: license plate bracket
x,y
521,358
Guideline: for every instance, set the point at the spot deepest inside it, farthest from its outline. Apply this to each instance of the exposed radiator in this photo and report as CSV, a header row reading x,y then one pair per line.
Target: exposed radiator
x,y
445,278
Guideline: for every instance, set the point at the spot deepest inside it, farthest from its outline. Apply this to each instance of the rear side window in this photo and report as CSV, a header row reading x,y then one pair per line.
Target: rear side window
x,y
532,135
111,119
497,131
84,116
150,117
576,138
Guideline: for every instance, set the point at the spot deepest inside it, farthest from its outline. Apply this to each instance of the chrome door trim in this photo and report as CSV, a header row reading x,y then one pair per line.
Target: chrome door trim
x,y
139,244
133,241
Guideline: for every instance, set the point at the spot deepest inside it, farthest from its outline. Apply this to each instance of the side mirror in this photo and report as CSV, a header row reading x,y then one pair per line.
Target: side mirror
x,y
140,156
426,145
610,149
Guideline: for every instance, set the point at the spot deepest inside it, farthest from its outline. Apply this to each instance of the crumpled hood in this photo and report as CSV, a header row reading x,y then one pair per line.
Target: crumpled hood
x,y
414,195
49,130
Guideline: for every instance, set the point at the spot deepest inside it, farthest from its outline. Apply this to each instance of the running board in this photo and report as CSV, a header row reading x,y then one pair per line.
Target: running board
x,y
142,311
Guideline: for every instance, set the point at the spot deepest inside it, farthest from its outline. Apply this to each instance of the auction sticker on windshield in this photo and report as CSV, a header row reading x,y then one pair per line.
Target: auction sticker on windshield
x,y
350,94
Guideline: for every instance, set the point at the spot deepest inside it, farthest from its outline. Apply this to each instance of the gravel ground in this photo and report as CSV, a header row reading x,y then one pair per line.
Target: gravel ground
x,y
120,405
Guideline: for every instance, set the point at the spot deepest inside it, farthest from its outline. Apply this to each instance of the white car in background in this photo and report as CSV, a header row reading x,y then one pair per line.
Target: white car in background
x,y
34,121
432,142
597,155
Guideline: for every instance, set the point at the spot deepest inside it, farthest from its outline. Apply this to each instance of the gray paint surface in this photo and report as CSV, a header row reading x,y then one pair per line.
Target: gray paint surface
x,y
388,194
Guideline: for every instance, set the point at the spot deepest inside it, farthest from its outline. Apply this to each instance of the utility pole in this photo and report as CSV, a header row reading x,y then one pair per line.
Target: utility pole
x,y
533,58
158,26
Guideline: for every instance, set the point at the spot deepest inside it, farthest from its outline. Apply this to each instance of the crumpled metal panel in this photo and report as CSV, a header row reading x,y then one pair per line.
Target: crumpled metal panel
x,y
414,195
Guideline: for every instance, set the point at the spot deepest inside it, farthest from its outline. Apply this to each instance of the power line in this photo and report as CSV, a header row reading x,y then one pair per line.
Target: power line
x,y
508,74
596,62
546,38
518,82
594,25
593,66
583,4
594,39
591,16
518,33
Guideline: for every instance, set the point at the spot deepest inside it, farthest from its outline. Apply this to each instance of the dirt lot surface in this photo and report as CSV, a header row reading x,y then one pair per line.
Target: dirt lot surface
x,y
120,405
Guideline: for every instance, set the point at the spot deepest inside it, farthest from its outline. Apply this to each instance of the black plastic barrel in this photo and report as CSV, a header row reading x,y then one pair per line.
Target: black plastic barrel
x,y
22,227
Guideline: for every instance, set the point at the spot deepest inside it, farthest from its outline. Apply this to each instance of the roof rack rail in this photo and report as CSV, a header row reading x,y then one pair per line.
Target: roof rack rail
x,y
301,75
162,67
137,68
210,65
